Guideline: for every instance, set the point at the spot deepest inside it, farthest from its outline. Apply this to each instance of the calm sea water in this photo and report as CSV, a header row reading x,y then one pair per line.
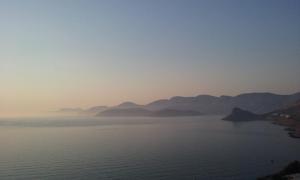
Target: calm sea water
x,y
204,148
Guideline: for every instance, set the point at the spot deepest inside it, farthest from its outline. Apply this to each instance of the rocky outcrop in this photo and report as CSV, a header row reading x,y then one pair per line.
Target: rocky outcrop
x,y
238,114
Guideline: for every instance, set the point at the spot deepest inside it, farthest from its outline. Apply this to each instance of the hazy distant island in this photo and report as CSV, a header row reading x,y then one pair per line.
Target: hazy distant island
x,y
79,111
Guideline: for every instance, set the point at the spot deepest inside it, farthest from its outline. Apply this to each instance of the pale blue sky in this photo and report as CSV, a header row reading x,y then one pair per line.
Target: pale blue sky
x,y
57,53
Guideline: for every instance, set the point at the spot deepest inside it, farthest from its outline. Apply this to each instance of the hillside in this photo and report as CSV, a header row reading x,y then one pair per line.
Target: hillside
x,y
147,113
254,102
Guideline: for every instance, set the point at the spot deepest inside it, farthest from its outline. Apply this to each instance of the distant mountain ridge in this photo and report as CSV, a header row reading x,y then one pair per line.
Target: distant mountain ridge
x,y
128,105
124,112
258,103
254,102
131,112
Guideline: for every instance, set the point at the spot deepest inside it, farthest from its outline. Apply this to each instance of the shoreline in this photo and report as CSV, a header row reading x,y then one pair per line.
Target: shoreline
x,y
289,172
292,126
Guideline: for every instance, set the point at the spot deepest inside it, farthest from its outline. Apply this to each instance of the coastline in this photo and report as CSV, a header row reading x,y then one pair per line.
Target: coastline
x,y
292,126
289,172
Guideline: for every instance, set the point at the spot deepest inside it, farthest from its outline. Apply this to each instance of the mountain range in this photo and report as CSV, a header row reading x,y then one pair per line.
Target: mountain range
x,y
206,104
148,113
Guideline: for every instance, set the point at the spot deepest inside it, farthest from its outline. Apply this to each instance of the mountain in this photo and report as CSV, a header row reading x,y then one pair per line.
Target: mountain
x,y
258,103
126,105
125,112
238,114
147,113
175,113
292,111
254,102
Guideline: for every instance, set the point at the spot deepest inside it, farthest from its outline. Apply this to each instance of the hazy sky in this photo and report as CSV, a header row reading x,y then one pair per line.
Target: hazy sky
x,y
71,53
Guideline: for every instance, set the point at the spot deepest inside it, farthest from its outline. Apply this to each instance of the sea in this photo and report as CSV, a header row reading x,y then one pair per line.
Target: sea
x,y
141,148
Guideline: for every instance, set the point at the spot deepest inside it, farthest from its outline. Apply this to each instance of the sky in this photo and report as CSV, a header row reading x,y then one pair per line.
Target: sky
x,y
82,53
